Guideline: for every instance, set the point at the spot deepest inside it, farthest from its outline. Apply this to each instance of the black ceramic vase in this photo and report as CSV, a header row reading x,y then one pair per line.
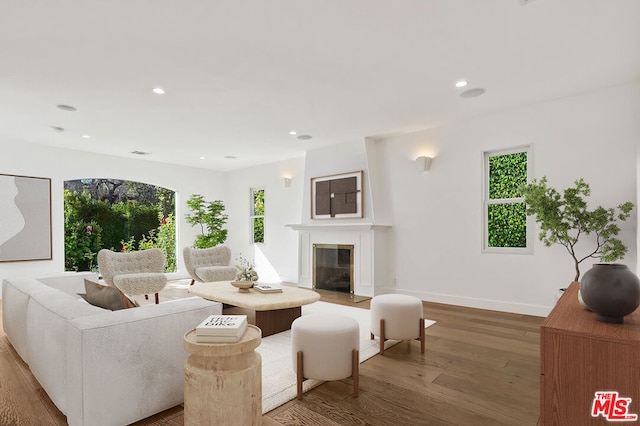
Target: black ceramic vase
x,y
610,290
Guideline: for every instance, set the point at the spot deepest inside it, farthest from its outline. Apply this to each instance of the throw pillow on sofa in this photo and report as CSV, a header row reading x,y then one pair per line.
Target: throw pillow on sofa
x,y
106,297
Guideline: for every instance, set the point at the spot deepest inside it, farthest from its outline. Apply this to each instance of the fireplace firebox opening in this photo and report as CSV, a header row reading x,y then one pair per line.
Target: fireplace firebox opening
x,y
333,267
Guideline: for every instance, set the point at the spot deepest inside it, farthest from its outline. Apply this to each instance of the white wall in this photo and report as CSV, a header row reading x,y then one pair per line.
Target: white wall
x,y
437,216
60,165
276,259
378,184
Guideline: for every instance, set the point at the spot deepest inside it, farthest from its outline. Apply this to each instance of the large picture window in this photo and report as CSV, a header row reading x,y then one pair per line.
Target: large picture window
x,y
504,211
257,215
115,214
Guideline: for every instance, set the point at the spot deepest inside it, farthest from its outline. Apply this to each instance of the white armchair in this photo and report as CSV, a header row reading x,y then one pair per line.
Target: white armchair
x,y
210,264
134,273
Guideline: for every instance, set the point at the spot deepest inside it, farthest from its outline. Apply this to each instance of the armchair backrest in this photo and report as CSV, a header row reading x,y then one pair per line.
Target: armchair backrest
x,y
215,256
111,263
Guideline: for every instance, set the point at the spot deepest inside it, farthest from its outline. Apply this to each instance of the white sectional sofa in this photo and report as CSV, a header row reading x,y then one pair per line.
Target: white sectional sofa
x,y
100,367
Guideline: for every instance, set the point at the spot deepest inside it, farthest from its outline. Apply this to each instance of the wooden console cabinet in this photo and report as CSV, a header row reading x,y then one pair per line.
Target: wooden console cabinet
x,y
580,356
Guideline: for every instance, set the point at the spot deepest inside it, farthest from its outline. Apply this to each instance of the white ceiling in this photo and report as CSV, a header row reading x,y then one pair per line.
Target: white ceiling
x,y
239,74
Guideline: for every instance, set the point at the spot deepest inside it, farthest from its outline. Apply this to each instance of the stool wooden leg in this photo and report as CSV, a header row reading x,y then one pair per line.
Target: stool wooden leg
x,y
422,335
356,372
382,338
157,298
146,297
299,374
372,336
192,281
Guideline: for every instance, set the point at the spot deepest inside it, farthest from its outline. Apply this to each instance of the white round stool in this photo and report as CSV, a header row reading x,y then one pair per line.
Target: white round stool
x,y
325,347
397,317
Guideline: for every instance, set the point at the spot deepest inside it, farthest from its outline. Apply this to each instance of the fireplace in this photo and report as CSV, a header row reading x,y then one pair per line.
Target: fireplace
x,y
333,267
372,257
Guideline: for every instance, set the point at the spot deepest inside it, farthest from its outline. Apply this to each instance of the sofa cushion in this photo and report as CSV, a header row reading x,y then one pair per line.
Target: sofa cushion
x,y
69,282
48,313
106,297
15,297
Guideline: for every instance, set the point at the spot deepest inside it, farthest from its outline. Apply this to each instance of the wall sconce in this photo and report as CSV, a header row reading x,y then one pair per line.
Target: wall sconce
x,y
425,161
287,182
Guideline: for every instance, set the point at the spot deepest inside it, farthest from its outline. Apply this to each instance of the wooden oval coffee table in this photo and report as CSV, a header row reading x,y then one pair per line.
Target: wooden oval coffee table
x,y
274,311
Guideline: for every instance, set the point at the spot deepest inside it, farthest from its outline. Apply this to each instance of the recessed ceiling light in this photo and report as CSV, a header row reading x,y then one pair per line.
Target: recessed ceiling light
x,y
158,91
57,129
230,157
202,158
472,93
86,137
461,83
304,137
66,107
293,132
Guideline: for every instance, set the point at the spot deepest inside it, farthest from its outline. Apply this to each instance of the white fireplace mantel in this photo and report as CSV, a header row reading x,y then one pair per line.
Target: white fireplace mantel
x,y
371,252
337,227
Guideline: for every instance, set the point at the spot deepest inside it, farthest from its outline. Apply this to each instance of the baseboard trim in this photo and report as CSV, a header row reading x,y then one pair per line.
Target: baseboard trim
x,y
492,305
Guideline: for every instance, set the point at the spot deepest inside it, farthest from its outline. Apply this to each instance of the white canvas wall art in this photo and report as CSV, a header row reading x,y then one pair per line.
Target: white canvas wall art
x,y
25,218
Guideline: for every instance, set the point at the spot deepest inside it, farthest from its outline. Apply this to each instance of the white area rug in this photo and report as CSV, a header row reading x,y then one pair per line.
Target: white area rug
x,y
278,375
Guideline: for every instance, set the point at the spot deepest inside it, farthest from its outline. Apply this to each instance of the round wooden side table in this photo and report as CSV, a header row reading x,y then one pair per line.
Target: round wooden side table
x,y
223,381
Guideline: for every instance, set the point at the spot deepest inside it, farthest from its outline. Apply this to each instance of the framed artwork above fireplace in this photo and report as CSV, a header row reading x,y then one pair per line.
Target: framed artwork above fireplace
x,y
337,196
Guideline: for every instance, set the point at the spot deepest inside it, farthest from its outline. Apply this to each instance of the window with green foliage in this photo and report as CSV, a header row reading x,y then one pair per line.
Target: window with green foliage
x,y
505,218
257,215
119,215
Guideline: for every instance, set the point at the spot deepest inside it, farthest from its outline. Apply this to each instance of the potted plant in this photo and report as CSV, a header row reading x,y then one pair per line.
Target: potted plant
x,y
610,290
246,270
211,218
246,276
564,218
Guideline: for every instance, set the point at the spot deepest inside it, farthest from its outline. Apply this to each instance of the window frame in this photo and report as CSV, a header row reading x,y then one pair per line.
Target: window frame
x,y
253,216
486,201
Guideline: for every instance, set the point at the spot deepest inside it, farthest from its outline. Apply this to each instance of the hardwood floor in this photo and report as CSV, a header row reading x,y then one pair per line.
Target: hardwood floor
x,y
479,368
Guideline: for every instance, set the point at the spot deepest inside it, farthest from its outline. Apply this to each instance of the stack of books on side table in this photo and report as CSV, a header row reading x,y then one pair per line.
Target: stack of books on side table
x,y
221,329
266,288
